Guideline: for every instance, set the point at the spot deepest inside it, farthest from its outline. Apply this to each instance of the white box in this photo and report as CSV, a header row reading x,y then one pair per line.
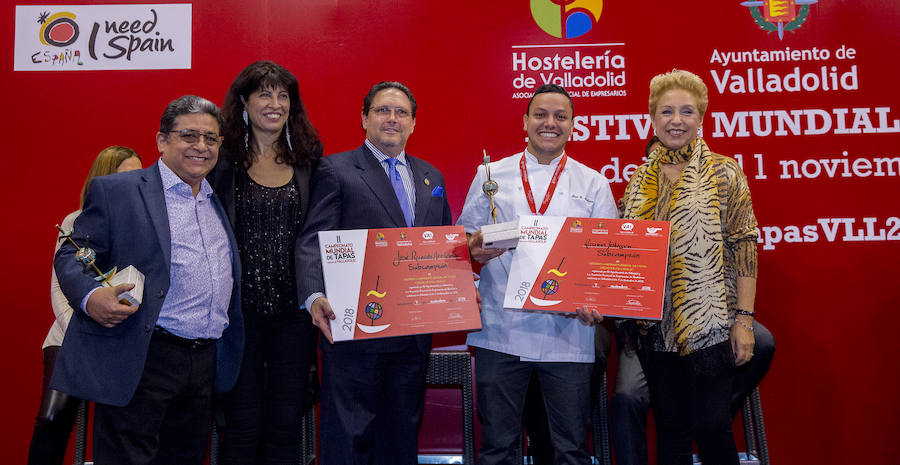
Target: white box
x,y
130,275
501,235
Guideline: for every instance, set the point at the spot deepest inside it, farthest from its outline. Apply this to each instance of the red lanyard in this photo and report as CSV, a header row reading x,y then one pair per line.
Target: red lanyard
x,y
550,189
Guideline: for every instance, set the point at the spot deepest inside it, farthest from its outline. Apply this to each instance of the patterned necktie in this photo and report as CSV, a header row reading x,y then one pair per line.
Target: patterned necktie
x,y
397,184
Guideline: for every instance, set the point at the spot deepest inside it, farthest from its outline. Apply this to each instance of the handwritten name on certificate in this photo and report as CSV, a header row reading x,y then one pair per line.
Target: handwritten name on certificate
x,y
616,267
398,281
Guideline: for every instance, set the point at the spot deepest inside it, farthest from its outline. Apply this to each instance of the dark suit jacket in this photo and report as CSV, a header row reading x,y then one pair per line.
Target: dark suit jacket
x,y
125,220
350,190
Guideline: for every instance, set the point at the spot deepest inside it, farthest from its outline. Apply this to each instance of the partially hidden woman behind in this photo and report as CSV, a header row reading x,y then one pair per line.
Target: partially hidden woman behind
x,y
262,178
707,326
56,416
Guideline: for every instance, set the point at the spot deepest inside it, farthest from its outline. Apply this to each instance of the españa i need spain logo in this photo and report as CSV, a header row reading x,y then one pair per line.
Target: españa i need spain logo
x,y
58,30
102,37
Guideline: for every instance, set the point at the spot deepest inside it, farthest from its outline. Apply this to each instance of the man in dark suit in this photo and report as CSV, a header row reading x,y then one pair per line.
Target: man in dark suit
x,y
372,390
151,368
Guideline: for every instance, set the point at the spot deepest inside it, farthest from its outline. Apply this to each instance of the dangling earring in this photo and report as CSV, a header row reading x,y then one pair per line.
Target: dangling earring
x,y
287,135
247,132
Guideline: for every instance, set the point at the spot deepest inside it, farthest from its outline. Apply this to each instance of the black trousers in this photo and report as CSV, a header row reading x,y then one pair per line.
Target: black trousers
x,y
540,447
371,406
54,421
264,410
168,419
691,399
502,381
628,407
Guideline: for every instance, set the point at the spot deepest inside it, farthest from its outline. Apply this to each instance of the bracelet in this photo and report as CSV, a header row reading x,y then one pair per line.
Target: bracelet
x,y
745,313
745,325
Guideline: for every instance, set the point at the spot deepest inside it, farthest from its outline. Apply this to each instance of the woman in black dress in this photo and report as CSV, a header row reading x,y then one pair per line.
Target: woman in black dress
x,y
262,178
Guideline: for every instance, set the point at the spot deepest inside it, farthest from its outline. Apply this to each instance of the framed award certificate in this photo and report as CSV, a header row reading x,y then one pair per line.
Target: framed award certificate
x,y
616,267
398,281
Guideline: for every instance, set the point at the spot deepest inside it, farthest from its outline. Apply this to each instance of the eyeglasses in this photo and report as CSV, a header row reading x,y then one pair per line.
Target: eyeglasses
x,y
192,136
401,113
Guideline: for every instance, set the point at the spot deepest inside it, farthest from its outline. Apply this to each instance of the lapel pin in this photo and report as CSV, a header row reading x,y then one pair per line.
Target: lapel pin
x,y
427,182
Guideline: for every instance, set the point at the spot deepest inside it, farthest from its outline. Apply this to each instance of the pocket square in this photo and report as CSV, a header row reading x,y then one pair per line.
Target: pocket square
x,y
438,191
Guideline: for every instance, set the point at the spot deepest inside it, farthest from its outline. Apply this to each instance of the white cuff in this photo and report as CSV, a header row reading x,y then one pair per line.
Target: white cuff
x,y
312,298
84,301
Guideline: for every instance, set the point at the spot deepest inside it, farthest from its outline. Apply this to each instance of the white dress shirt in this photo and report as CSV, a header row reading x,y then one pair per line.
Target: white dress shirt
x,y
581,192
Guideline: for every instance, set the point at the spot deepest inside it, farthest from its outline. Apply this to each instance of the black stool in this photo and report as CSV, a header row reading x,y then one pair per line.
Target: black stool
x,y
454,368
755,428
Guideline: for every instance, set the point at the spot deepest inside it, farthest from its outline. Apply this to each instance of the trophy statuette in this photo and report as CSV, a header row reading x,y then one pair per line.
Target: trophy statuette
x,y
86,257
496,235
490,187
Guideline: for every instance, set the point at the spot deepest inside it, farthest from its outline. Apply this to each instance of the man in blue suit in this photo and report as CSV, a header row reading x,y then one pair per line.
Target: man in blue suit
x,y
152,368
372,390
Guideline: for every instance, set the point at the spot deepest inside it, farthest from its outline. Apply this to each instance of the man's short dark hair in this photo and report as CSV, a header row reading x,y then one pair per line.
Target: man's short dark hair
x,y
550,88
185,105
367,102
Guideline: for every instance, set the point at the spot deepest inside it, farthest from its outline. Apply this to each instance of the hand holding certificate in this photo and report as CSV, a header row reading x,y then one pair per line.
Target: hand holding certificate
x,y
614,267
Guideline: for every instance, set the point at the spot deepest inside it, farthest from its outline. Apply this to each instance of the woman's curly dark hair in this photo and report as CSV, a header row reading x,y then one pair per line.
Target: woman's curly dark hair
x,y
304,138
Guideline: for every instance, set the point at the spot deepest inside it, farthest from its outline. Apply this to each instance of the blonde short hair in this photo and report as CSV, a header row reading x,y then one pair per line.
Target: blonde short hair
x,y
107,162
679,79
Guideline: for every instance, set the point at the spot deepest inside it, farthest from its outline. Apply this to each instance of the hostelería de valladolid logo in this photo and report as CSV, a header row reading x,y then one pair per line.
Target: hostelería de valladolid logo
x,y
566,18
779,15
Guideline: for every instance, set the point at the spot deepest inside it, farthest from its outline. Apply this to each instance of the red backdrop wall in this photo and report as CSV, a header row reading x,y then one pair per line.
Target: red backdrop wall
x,y
827,284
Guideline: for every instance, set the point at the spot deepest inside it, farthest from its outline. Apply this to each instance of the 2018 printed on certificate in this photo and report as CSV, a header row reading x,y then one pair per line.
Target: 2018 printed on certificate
x,y
398,281
616,267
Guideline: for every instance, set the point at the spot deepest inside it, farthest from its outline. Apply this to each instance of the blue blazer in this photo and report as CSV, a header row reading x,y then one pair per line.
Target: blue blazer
x,y
350,190
125,221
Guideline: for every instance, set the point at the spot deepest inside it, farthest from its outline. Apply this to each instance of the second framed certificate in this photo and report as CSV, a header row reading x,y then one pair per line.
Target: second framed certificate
x,y
617,267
